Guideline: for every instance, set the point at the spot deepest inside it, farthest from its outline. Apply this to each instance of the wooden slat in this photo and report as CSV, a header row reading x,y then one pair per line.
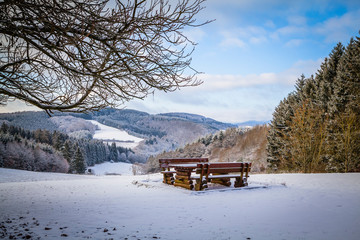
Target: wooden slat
x,y
168,172
225,170
183,173
183,160
164,162
226,165
186,181
224,176
187,186
182,177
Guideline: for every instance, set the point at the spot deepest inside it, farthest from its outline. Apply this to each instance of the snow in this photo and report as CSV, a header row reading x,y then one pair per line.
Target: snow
x,y
109,168
121,138
284,206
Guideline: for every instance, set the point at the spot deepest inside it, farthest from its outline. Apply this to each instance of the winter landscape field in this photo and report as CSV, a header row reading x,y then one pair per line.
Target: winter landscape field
x,y
283,206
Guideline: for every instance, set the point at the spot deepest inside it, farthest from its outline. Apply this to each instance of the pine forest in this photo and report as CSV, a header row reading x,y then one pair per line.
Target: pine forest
x,y
316,128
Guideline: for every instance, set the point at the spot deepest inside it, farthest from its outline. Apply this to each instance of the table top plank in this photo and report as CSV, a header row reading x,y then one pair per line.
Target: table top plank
x,y
188,165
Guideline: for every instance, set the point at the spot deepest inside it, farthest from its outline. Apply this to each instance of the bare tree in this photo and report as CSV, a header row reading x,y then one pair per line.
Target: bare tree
x,y
81,55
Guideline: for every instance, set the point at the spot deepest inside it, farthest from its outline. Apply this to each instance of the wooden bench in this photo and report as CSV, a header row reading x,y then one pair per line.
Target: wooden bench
x,y
221,173
168,171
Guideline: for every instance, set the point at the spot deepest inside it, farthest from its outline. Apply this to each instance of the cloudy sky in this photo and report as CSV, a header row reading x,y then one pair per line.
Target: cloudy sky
x,y
252,55
254,52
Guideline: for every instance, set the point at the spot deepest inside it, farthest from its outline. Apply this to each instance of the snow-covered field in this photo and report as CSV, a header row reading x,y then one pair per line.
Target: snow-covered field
x,y
121,138
284,206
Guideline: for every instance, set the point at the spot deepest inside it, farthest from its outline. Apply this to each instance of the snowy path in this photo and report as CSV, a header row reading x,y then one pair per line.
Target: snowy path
x,y
289,206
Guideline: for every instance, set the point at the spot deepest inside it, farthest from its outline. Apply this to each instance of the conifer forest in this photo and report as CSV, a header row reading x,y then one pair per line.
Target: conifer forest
x,y
316,128
53,151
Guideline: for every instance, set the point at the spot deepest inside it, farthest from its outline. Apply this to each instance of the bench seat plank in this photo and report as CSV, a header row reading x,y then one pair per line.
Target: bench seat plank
x,y
164,172
224,176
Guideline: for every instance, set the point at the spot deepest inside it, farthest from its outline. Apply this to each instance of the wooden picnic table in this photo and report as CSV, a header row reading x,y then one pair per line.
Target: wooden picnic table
x,y
210,172
216,172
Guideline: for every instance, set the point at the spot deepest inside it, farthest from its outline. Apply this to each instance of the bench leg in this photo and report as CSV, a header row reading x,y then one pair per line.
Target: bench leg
x,y
240,182
168,178
200,185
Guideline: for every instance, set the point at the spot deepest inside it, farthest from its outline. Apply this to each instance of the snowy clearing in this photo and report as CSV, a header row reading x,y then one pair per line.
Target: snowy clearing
x,y
284,206
108,168
110,134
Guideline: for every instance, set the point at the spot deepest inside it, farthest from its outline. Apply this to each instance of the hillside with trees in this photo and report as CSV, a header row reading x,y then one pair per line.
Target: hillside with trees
x,y
230,145
53,151
316,128
162,132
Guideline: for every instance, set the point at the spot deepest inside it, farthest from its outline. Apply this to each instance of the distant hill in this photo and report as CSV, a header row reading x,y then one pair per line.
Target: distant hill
x,y
251,123
199,119
162,132
145,124
29,120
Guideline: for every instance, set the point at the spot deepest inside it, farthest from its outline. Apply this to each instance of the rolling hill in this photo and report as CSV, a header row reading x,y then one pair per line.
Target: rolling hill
x,y
162,132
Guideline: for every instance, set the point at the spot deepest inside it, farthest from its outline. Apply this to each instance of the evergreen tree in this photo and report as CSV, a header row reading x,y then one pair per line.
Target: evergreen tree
x,y
113,152
327,74
221,136
4,127
277,147
56,140
344,134
78,163
341,95
67,151
299,88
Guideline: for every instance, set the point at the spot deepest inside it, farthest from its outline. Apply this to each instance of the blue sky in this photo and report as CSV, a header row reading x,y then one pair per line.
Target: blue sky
x,y
254,52
252,55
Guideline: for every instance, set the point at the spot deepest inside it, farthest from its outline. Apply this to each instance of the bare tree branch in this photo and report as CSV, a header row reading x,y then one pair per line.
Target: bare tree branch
x,y
85,55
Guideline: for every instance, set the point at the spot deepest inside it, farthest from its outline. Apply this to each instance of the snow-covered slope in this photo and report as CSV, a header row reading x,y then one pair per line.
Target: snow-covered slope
x,y
110,134
285,206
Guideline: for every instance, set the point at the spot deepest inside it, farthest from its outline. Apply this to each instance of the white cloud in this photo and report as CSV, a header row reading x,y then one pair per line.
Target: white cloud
x,y
339,28
232,42
291,30
242,37
294,43
231,98
287,77
194,34
270,24
335,29
297,20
